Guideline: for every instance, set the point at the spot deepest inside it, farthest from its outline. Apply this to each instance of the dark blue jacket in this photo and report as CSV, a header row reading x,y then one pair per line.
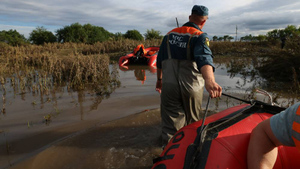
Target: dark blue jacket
x,y
184,40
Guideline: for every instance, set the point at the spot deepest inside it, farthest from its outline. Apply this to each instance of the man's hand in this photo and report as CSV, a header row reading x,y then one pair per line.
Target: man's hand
x,y
158,86
159,79
213,88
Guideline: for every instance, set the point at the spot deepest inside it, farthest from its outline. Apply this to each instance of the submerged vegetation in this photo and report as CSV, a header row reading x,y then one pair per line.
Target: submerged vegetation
x,y
79,66
41,67
46,69
278,65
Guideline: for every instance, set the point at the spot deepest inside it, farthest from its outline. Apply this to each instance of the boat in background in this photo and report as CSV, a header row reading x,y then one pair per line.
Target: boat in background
x,y
140,56
222,141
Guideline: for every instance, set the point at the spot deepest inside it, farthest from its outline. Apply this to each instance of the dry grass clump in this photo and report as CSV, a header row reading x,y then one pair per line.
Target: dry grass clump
x,y
76,65
283,65
280,67
242,49
54,67
107,47
44,67
282,71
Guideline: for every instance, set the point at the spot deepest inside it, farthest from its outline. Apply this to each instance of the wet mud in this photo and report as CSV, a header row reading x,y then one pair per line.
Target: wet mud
x,y
128,143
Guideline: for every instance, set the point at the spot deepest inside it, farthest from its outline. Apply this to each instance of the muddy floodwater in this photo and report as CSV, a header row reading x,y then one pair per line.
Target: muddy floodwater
x,y
70,129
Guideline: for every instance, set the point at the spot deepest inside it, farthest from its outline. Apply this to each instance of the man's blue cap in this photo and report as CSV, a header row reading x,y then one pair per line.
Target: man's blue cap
x,y
200,10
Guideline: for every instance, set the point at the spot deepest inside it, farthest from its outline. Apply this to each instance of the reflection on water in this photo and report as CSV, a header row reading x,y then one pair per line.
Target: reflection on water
x,y
238,75
139,71
33,101
39,89
247,79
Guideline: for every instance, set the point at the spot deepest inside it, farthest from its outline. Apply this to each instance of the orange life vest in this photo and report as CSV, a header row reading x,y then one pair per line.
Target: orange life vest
x,y
151,52
138,48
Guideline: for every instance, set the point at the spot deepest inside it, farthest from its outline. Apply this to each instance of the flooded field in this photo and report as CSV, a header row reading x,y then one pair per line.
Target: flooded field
x,y
84,129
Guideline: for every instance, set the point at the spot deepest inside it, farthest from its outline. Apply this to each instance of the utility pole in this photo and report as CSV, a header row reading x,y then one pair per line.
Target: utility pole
x,y
236,29
177,22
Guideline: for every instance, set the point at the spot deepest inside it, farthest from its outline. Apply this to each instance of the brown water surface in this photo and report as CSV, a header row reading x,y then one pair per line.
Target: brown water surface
x,y
87,131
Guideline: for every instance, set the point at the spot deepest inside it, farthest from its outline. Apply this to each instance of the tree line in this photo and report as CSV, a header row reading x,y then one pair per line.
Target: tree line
x,y
76,33
272,36
91,34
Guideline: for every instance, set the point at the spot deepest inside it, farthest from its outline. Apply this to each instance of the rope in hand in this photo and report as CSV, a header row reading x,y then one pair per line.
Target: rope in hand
x,y
205,114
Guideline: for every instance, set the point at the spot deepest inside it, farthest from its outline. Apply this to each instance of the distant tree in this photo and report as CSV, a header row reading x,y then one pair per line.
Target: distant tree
x,y
96,34
133,34
290,30
273,36
73,33
280,35
220,38
261,38
227,38
118,36
230,38
247,38
12,37
89,31
83,34
153,34
215,38
40,35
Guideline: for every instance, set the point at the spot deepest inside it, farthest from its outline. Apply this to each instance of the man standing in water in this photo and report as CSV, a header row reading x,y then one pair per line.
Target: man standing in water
x,y
185,65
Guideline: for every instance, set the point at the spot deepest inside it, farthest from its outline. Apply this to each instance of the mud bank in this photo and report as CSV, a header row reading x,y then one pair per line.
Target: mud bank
x,y
131,142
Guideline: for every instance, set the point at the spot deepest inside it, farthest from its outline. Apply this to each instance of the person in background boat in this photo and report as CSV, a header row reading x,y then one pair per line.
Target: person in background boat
x,y
280,129
139,51
283,39
184,67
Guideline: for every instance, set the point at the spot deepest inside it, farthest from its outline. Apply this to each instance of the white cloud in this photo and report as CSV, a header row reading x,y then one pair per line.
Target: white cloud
x,y
24,30
251,16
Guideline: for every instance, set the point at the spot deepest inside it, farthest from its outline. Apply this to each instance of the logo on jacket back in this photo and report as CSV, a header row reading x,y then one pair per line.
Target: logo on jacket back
x,y
178,41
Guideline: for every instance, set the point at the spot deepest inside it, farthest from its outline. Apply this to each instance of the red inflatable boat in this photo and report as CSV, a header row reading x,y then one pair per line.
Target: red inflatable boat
x,y
223,141
140,55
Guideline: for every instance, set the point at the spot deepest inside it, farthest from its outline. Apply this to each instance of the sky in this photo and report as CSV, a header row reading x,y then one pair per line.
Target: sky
x,y
255,17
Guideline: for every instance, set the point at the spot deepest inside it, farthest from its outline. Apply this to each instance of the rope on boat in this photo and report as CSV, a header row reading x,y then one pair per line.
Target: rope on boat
x,y
205,114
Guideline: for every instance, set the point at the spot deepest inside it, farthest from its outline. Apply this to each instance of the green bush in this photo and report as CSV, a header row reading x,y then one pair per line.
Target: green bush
x,y
134,35
153,34
82,34
40,36
12,37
